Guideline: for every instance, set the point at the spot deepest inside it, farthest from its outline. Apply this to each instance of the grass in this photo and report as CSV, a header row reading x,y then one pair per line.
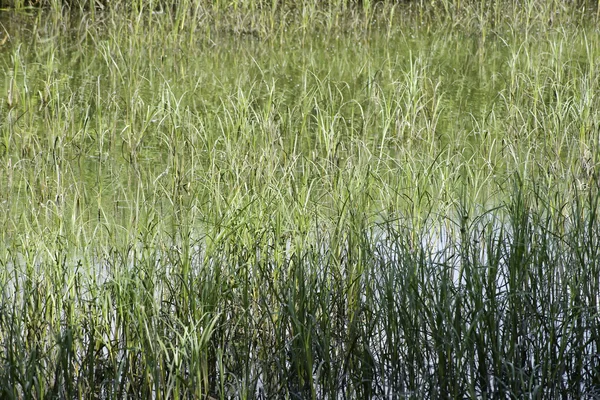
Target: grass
x,y
299,200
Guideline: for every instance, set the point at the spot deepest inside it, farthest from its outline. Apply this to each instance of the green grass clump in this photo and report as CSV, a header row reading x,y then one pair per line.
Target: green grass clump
x,y
299,200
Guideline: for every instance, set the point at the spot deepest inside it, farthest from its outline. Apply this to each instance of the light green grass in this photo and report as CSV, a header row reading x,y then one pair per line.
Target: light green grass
x,y
300,200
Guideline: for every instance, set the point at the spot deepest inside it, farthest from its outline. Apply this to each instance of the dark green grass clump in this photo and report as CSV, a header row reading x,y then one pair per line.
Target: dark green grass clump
x,y
496,307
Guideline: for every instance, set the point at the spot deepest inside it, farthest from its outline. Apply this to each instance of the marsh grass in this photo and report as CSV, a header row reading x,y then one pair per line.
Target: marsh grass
x,y
299,200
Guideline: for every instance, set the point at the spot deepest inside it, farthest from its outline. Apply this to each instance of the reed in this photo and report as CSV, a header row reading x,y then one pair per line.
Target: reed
x,y
299,200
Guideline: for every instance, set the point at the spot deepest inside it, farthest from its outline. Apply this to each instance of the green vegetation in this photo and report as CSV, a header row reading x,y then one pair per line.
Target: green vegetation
x,y
286,200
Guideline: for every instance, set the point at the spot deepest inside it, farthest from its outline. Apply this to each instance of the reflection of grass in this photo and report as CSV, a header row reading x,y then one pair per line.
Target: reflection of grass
x,y
361,201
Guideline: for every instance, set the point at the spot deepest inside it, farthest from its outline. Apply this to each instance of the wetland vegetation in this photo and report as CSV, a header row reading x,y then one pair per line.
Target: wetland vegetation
x,y
299,200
